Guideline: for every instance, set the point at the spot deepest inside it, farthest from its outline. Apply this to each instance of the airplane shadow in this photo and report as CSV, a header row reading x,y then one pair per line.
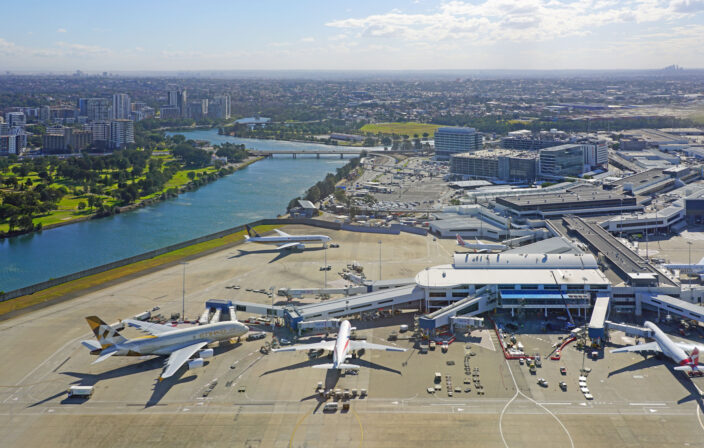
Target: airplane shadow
x,y
160,388
309,363
684,380
280,253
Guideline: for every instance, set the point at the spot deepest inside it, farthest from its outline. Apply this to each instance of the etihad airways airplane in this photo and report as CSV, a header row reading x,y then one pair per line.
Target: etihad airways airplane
x,y
676,351
340,348
480,247
180,344
284,240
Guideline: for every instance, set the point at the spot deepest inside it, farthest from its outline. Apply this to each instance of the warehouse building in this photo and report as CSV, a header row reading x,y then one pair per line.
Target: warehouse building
x,y
576,201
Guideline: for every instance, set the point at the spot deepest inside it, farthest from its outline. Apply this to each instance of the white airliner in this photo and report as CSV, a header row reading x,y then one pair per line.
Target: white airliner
x,y
676,351
180,344
340,348
284,240
693,268
480,247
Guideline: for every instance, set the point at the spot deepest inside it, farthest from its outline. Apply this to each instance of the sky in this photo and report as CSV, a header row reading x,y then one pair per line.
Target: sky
x,y
178,35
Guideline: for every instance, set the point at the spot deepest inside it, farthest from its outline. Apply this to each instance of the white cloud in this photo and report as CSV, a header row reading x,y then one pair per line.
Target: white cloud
x,y
308,39
518,21
61,30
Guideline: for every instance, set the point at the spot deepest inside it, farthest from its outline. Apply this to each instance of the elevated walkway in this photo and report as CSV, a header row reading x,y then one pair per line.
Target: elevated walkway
x,y
383,299
598,319
469,306
670,305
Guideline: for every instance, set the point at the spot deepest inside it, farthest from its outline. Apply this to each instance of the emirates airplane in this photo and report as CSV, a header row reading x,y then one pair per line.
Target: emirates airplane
x,y
676,351
340,348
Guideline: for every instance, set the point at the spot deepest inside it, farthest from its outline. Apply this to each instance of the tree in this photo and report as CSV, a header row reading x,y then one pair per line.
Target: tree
x,y
81,205
191,175
25,222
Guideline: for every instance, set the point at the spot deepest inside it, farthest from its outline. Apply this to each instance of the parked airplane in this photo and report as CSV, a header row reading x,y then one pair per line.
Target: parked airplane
x,y
480,247
180,344
676,351
284,240
693,268
340,348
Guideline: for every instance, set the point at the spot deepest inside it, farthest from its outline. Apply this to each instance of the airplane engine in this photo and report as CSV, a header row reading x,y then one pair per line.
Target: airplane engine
x,y
207,353
195,363
300,246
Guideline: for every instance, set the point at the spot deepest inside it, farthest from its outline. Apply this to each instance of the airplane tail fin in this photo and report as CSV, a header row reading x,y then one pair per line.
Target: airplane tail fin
x,y
460,241
701,261
105,334
694,357
251,231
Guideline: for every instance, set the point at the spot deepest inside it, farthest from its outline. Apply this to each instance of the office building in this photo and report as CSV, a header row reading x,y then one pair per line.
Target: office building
x,y
563,160
219,107
596,153
526,140
121,106
121,133
694,208
15,119
501,164
98,109
450,141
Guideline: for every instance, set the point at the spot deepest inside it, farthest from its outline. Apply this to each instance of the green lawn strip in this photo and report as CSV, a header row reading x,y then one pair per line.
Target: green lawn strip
x,y
92,281
408,129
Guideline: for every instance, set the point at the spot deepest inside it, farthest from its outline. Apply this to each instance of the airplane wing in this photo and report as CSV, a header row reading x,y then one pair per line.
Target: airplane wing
x,y
649,347
149,327
288,246
281,233
177,358
356,345
689,347
325,345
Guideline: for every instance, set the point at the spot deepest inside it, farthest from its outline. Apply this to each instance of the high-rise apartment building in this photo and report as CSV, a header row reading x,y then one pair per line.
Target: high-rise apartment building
x,y
121,107
121,133
179,98
15,119
450,141
98,109
219,107
100,131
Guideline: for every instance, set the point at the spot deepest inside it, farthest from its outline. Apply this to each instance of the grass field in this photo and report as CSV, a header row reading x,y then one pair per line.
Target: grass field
x,y
408,129
68,205
91,281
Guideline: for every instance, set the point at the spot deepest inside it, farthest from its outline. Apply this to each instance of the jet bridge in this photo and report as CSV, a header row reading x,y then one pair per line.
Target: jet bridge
x,y
469,306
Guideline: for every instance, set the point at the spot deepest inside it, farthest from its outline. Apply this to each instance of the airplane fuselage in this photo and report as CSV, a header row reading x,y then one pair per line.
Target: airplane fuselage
x,y
323,239
342,344
668,347
168,342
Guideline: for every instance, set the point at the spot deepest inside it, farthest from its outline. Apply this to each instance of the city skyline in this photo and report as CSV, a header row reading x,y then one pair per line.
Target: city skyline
x,y
408,35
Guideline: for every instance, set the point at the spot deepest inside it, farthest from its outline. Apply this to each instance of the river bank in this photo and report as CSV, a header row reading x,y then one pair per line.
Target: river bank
x,y
166,193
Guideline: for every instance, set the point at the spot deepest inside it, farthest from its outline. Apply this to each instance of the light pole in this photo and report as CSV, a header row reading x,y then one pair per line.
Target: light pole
x,y
379,260
689,252
325,268
183,293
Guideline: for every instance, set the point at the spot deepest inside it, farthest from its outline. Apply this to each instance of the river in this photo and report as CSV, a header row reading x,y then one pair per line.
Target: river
x,y
261,190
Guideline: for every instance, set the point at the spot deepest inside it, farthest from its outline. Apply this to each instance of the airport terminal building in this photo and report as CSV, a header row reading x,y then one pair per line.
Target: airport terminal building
x,y
515,281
